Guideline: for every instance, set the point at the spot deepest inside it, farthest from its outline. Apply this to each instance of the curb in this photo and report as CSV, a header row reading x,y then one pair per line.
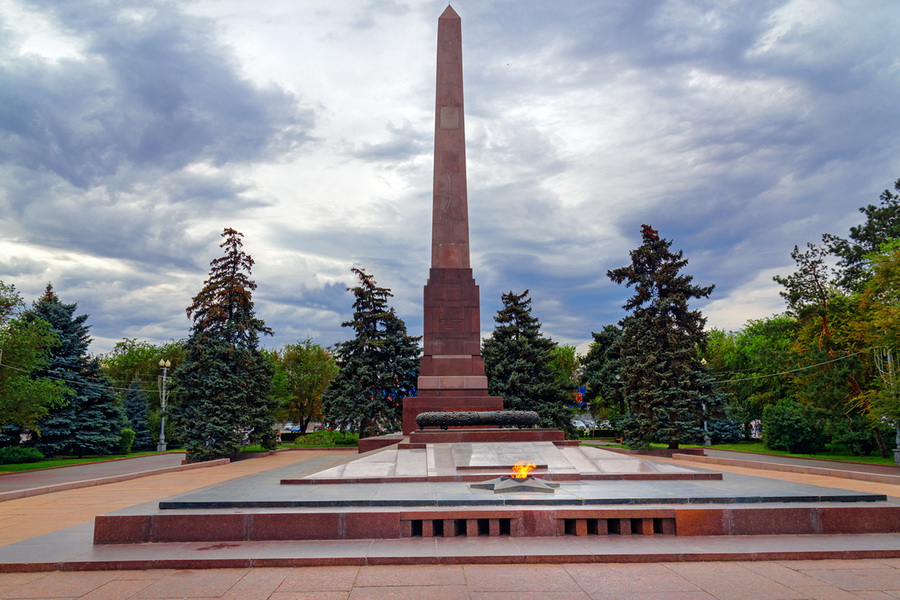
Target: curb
x,y
74,485
234,559
771,466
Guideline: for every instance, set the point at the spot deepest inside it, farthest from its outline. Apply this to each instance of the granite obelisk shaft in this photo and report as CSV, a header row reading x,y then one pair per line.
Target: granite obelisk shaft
x,y
450,212
451,375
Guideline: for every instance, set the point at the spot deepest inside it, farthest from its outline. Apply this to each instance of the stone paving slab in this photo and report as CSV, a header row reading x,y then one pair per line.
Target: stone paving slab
x,y
468,460
71,550
265,489
61,549
825,579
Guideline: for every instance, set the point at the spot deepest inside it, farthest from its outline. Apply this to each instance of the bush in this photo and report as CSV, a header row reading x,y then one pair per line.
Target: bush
x,y
793,427
328,438
254,449
126,440
857,435
725,431
14,455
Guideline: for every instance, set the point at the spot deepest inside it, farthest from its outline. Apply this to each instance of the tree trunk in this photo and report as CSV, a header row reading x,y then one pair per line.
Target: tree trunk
x,y
882,445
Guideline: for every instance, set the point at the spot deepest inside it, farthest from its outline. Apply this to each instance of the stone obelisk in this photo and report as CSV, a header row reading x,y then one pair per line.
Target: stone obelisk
x,y
451,375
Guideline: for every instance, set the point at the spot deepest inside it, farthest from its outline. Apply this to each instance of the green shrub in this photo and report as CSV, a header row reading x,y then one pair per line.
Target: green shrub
x,y
328,438
126,440
14,455
793,427
857,435
253,449
725,431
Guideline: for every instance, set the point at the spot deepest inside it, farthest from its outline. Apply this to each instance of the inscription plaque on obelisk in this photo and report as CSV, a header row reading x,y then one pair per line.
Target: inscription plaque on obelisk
x,y
451,374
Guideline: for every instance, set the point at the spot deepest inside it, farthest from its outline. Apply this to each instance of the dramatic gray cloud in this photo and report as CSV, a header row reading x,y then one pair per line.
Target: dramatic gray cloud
x,y
131,134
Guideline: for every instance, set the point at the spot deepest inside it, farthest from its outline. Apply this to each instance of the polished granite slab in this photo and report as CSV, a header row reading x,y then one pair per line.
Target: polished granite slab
x,y
266,491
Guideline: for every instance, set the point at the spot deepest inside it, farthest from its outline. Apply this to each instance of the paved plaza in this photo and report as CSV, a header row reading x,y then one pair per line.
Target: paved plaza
x,y
824,580
68,515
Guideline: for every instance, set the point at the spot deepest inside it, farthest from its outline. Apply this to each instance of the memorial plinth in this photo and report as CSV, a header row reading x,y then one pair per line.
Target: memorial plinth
x,y
451,373
421,486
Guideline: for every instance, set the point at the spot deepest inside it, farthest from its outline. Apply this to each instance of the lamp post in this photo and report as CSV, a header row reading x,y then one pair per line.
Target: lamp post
x,y
161,381
707,441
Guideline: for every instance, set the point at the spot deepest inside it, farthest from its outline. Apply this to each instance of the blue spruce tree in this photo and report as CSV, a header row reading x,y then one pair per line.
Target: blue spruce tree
x,y
92,420
667,389
136,413
378,367
222,391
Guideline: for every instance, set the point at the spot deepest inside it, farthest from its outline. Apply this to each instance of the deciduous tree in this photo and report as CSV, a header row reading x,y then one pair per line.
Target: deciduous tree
x,y
302,374
882,225
137,361
25,348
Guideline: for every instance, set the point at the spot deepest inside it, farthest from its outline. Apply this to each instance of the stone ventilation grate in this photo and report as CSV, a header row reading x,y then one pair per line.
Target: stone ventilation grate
x,y
459,527
632,526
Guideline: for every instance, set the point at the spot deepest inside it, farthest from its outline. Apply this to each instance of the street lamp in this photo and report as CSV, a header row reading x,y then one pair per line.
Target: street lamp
x,y
161,381
707,441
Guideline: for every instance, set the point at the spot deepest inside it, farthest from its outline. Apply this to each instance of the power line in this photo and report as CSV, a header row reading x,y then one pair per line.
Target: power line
x,y
797,369
68,381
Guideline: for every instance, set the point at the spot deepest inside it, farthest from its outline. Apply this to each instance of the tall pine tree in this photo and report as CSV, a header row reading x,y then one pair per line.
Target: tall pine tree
x,y
600,370
137,414
223,387
667,389
93,419
517,362
378,367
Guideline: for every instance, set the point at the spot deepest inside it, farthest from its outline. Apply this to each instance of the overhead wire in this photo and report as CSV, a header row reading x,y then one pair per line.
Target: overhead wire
x,y
69,381
846,356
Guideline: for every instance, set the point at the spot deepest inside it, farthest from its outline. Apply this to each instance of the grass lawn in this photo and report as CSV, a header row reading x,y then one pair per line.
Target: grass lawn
x,y
833,452
66,462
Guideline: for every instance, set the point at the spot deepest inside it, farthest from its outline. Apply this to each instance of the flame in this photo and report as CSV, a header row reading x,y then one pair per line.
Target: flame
x,y
521,469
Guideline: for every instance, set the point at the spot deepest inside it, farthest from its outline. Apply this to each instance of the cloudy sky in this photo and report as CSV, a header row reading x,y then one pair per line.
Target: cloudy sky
x,y
133,132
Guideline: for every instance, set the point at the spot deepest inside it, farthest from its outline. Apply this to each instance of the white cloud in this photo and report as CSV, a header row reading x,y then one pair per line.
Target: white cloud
x,y
132,134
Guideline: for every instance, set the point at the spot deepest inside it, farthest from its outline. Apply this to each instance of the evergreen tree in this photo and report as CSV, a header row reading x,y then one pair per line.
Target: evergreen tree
x,y
600,370
136,413
93,419
667,389
223,386
378,367
518,363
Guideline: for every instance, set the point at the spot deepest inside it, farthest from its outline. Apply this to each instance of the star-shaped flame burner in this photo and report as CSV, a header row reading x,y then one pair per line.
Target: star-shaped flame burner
x,y
505,484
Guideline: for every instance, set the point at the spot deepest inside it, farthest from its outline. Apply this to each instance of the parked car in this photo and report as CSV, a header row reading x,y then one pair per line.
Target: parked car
x,y
580,425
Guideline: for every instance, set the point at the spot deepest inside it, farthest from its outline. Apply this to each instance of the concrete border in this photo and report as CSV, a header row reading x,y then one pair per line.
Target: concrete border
x,y
73,485
773,466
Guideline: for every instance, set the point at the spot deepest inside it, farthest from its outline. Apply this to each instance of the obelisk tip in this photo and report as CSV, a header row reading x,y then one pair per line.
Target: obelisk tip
x,y
449,13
